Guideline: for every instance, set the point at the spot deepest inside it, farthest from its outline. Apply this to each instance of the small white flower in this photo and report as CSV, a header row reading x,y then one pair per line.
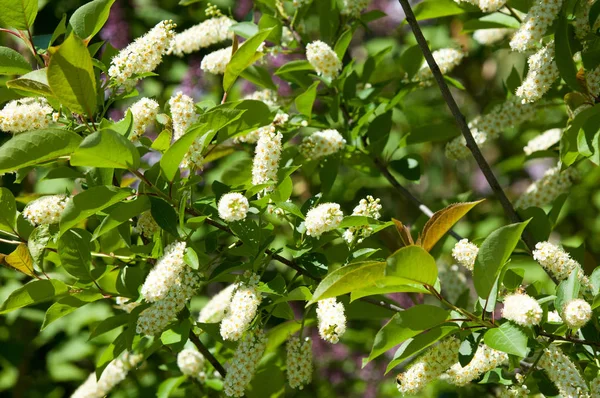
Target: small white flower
x,y
542,73
368,207
558,263
299,362
216,62
144,112
577,313
484,360
446,58
266,157
233,206
166,273
332,321
124,304
207,33
183,113
46,209
243,365
242,310
465,253
540,16
115,372
321,144
522,309
545,190
25,114
190,362
353,8
214,311
325,217
323,59
543,141
146,225
563,373
269,97
490,36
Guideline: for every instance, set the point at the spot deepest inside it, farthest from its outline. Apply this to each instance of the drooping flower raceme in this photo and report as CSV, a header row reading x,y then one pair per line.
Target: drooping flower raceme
x,y
25,114
233,206
558,262
522,309
534,26
577,313
242,310
252,137
331,319
165,274
490,36
453,282
592,79
325,217
446,58
542,73
205,34
582,20
143,55
191,363
214,311
543,141
595,387
115,372
183,113
368,207
323,59
266,157
216,62
465,253
146,225
353,8
429,366
299,362
269,97
563,373
321,144
545,190
46,209
484,360
144,112
243,365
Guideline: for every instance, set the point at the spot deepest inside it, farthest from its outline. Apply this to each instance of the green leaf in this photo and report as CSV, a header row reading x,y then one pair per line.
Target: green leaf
x,y
406,324
12,63
294,66
168,386
564,52
68,304
35,82
379,133
513,278
18,14
71,76
90,202
108,149
348,278
37,242
436,8
33,293
411,264
491,21
595,281
508,338
34,147
109,324
493,254
75,252
343,42
164,215
88,19
409,167
267,21
304,102
567,290
411,60
8,210
122,213
245,56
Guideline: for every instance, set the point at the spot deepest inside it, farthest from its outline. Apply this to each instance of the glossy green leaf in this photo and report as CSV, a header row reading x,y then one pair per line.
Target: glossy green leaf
x,y
68,304
411,265
35,82
508,338
566,291
108,149
165,215
18,14
122,212
436,8
564,52
304,102
34,292
8,210
245,56
13,63
88,19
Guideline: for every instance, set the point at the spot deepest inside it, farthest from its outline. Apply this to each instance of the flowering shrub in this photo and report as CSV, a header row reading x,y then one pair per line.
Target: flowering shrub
x,y
235,199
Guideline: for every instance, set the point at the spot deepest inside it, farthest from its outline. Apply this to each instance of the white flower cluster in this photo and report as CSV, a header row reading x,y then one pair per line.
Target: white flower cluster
x,y
353,8
563,373
25,114
113,374
146,225
534,26
205,34
155,319
368,207
446,58
553,184
241,310
592,79
144,112
321,144
266,157
216,62
233,206
46,209
465,253
323,59
554,317
214,311
166,273
183,113
577,313
191,363
490,36
543,141
522,309
558,262
485,5
453,282
243,365
489,126
124,304
582,20
252,137
484,360
193,157
595,387
331,319
542,73
143,55
516,391
429,366
269,97
299,362
325,217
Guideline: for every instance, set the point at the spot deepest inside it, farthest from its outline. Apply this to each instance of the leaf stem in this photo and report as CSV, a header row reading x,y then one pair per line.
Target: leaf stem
x,y
207,354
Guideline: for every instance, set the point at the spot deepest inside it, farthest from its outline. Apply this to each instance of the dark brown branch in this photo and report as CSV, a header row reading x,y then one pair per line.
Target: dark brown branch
x,y
462,123
207,354
570,339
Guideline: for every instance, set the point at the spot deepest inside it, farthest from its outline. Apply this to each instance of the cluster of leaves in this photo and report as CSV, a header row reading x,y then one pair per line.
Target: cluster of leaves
x,y
392,128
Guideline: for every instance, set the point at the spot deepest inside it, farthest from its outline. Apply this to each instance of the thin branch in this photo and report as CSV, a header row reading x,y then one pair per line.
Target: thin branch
x,y
207,354
513,13
570,339
462,123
